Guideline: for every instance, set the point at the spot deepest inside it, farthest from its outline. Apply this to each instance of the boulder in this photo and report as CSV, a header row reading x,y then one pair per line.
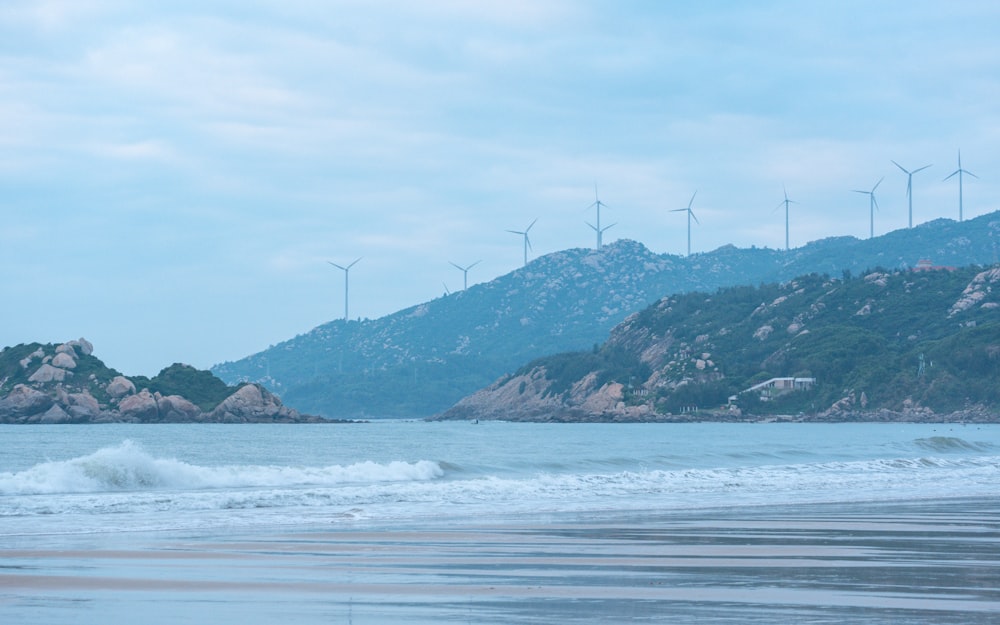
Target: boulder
x,y
139,407
48,373
82,406
64,360
23,401
176,409
120,387
83,346
55,414
254,404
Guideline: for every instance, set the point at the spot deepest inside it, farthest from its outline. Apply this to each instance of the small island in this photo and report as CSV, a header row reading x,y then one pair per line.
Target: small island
x,y
66,383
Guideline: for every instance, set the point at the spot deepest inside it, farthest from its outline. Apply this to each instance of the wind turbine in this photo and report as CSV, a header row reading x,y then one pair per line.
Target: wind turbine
x,y
347,273
960,171
786,202
527,242
690,215
909,185
465,272
598,229
873,204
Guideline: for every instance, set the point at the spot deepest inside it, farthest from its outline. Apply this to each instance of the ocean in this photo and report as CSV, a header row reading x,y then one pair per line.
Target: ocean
x,y
417,522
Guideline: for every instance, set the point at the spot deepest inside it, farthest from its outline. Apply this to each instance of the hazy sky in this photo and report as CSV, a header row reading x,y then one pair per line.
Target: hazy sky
x,y
175,176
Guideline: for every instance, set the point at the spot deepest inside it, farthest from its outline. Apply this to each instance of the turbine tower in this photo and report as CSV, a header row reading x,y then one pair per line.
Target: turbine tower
x,y
960,171
873,204
347,273
465,272
598,229
786,202
909,186
527,242
690,216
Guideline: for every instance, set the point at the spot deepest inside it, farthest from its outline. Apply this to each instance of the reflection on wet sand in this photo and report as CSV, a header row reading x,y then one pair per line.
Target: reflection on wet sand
x,y
916,562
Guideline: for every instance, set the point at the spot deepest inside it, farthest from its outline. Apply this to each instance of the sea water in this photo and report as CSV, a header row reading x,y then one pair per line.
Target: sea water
x,y
500,523
65,480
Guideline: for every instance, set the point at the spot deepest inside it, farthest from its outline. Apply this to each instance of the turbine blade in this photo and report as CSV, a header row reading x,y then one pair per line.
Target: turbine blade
x,y
971,174
528,242
900,166
456,266
336,265
860,191
515,232
952,174
592,226
678,210
878,183
526,230
354,263
920,169
692,200
606,227
473,265
694,217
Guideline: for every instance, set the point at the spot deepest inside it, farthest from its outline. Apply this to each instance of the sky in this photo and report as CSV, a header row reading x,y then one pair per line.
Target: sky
x,y
176,177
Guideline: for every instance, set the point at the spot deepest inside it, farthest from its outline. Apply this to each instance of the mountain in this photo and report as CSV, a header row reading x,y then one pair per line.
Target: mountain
x,y
423,359
888,345
66,383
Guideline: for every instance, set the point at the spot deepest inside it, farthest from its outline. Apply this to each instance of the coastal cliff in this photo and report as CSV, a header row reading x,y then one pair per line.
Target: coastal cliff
x,y
66,383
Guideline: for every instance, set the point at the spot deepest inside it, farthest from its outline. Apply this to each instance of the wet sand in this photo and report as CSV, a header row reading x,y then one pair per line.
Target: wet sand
x,y
912,562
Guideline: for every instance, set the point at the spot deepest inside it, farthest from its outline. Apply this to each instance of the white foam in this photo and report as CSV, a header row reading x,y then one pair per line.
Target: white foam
x,y
127,467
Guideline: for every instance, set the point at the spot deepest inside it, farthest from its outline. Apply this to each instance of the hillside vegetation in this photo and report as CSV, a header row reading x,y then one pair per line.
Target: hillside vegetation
x,y
919,344
421,360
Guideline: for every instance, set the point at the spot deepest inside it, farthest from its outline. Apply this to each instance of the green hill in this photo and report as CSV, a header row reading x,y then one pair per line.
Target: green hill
x,y
421,360
901,344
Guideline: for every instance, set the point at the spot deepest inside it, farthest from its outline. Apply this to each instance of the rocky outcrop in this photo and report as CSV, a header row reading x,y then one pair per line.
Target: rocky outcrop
x,y
120,387
529,397
176,409
254,404
64,361
139,407
24,401
49,373
40,387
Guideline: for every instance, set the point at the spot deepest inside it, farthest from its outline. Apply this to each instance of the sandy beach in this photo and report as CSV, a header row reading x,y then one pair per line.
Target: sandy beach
x,y
913,562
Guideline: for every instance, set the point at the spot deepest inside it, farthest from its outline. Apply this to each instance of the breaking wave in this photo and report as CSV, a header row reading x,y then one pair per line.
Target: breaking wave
x,y
127,467
945,444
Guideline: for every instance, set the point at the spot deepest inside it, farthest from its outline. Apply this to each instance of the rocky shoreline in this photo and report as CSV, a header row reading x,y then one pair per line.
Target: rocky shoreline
x,y
527,398
56,388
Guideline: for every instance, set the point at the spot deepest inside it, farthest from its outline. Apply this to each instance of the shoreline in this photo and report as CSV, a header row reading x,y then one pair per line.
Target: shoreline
x,y
911,561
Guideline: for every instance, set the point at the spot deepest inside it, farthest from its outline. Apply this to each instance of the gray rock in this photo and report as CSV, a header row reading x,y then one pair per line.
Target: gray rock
x,y
254,404
120,387
23,401
82,345
82,406
48,373
64,360
139,407
55,414
176,409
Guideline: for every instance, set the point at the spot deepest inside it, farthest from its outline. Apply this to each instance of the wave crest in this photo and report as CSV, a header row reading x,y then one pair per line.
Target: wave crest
x,y
127,467
950,444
